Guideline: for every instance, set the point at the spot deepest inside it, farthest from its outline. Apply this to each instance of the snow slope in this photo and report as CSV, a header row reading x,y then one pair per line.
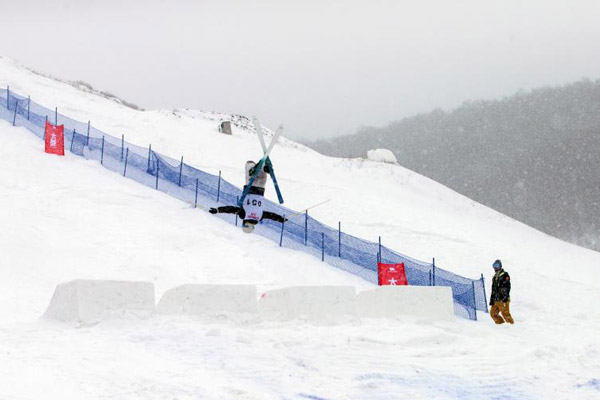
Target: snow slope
x,y
114,228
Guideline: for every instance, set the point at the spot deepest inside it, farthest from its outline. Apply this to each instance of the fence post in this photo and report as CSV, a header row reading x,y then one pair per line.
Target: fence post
x,y
73,139
237,199
28,104
126,157
305,227
102,152
7,97
156,187
484,295
122,146
474,302
322,246
429,278
149,154
55,115
196,196
15,114
281,237
219,187
45,123
379,253
339,239
87,142
180,170
433,273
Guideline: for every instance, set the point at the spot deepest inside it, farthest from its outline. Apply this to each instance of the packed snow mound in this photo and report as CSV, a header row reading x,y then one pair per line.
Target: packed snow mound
x,y
95,300
208,300
318,304
92,301
382,155
430,302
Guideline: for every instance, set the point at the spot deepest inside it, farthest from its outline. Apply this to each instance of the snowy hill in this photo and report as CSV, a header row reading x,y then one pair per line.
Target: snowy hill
x,y
113,228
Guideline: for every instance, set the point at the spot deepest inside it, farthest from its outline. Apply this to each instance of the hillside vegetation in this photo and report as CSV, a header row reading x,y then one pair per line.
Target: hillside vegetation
x,y
534,156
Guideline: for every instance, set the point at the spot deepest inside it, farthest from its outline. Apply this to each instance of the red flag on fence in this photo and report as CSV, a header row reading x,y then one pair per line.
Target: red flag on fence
x,y
391,274
55,139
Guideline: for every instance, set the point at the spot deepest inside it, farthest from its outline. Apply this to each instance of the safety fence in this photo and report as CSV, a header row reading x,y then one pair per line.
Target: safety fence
x,y
203,190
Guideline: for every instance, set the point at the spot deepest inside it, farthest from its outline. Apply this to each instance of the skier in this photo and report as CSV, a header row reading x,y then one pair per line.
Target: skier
x,y
252,211
500,297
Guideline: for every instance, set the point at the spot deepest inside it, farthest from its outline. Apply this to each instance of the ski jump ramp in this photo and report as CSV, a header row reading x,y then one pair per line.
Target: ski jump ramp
x,y
92,301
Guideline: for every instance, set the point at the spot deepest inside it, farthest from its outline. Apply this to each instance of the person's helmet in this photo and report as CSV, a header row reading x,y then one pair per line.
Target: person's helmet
x,y
248,225
497,264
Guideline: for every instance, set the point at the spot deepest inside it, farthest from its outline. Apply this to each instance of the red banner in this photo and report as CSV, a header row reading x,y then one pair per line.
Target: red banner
x,y
55,139
391,274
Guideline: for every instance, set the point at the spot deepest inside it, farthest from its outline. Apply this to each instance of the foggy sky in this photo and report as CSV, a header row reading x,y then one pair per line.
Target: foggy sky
x,y
321,68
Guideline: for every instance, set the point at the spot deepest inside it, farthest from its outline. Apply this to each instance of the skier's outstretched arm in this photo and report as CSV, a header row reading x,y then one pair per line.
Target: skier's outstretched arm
x,y
225,210
273,216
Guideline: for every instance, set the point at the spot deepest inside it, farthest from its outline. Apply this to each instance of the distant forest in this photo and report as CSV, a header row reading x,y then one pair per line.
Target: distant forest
x,y
534,156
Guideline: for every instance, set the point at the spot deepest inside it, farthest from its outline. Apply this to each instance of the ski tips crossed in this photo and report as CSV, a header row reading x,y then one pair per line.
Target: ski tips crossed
x,y
264,160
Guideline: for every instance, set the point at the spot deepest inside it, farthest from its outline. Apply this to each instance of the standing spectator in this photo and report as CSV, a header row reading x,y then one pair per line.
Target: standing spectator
x,y
500,298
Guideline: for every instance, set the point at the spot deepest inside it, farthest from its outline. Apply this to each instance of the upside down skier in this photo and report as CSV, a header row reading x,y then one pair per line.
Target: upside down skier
x,y
251,212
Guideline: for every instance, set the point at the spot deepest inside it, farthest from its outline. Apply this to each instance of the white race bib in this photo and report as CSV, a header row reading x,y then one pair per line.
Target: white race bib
x,y
253,206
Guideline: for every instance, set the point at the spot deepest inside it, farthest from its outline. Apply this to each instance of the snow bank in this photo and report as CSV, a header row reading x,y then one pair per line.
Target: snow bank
x,y
323,304
382,155
91,300
433,302
208,300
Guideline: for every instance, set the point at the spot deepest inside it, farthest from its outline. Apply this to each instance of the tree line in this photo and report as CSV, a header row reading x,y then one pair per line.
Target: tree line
x,y
534,156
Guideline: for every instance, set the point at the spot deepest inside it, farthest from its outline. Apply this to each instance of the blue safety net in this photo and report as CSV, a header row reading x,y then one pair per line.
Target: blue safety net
x,y
201,189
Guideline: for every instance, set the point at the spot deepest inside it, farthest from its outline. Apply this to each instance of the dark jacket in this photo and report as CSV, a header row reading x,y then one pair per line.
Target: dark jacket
x,y
242,213
500,287
255,190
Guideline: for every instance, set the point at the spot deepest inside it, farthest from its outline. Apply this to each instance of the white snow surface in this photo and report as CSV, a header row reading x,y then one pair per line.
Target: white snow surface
x,y
66,218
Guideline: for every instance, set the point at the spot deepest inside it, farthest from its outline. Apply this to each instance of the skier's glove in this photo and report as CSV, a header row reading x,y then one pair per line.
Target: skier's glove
x,y
267,169
213,210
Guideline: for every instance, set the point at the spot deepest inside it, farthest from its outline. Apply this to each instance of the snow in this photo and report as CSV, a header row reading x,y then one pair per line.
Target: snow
x,y
382,155
435,302
209,300
66,218
92,301
319,304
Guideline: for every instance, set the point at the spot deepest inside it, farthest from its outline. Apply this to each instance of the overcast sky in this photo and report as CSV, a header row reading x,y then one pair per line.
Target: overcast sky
x,y
322,68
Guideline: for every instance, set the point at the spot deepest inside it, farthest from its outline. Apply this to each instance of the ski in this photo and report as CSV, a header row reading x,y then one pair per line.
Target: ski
x,y
260,166
268,160
272,173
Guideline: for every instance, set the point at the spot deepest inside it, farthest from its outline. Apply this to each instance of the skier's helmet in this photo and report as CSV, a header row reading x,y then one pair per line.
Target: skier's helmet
x,y
248,225
497,264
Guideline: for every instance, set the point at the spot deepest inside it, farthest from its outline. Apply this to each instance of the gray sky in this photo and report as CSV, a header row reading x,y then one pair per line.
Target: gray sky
x,y
322,68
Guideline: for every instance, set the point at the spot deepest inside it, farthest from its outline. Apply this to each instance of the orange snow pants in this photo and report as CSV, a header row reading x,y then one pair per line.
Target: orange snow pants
x,y
498,308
